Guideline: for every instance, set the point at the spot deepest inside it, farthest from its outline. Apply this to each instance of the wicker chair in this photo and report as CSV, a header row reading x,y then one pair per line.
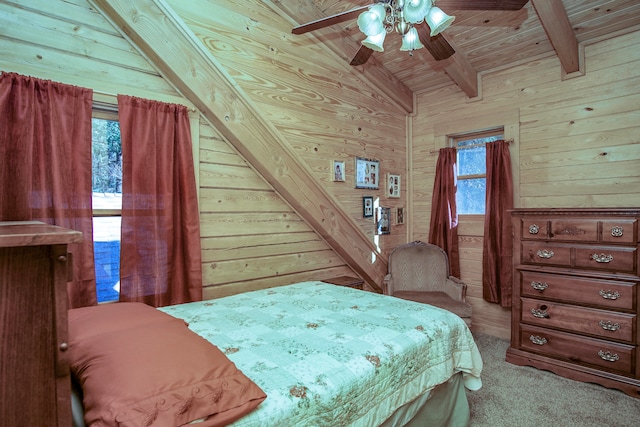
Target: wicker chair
x,y
420,272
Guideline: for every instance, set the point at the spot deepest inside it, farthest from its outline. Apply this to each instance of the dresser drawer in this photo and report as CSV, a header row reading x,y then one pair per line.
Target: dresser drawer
x,y
535,228
609,258
623,231
574,230
604,324
610,294
577,349
540,253
615,259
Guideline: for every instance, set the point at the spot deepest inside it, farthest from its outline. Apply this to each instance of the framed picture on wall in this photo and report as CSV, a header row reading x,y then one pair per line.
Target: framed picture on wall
x,y
383,220
399,216
338,171
367,207
367,173
393,186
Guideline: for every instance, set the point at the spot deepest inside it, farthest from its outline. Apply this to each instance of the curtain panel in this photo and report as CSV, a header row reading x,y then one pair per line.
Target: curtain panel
x,y
45,150
443,230
160,259
497,275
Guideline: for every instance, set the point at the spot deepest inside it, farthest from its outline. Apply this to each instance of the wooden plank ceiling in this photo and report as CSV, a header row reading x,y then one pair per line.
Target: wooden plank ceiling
x,y
484,41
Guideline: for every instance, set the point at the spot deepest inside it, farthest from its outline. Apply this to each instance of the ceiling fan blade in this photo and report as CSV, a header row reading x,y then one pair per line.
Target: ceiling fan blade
x,y
449,5
438,46
329,20
362,55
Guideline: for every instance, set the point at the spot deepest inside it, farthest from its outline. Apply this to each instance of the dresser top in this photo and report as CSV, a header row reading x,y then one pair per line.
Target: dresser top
x,y
35,233
576,211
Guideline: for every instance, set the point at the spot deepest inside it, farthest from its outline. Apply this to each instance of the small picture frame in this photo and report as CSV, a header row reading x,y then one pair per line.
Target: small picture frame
x,y
367,207
393,186
383,220
399,216
367,173
337,171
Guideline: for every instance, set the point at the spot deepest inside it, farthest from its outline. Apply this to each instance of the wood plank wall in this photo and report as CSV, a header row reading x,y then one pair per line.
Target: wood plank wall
x,y
322,110
577,144
576,141
251,238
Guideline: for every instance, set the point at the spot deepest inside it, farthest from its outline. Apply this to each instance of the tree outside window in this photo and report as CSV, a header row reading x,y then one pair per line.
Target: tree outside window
x,y
472,170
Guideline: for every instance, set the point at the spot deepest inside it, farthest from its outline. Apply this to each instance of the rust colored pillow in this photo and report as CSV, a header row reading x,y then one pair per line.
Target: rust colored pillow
x,y
138,366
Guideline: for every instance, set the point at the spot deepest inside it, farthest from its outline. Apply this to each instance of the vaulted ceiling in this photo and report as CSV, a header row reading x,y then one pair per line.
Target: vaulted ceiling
x,y
483,40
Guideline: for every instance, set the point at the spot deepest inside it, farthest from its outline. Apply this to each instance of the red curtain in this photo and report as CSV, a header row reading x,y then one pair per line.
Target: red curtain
x,y
160,259
497,276
443,230
45,150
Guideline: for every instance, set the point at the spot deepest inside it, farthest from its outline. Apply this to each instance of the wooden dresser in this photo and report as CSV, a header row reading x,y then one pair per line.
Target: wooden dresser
x,y
34,376
576,294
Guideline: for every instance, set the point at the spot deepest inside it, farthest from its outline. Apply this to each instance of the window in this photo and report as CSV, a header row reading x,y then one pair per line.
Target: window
x,y
472,170
107,202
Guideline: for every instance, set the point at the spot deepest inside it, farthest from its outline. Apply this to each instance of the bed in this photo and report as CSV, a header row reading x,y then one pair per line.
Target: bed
x,y
326,355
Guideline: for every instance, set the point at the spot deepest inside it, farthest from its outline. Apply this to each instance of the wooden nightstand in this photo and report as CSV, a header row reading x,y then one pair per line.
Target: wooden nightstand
x,y
348,281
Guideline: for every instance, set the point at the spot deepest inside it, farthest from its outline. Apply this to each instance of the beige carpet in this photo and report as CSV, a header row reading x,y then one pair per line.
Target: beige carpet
x,y
520,396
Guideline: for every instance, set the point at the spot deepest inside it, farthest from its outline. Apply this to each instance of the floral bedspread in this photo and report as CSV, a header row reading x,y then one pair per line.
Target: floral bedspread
x,y
328,355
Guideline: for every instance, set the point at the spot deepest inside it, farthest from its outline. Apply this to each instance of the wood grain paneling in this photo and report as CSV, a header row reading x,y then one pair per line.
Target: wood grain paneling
x,y
576,140
323,111
578,143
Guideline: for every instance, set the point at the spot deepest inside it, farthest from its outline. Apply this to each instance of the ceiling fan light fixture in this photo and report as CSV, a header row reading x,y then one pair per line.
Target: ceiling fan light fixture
x,y
411,41
375,42
438,21
416,10
379,10
402,27
370,22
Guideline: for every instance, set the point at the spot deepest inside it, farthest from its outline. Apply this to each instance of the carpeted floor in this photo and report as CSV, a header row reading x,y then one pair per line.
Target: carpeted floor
x,y
520,396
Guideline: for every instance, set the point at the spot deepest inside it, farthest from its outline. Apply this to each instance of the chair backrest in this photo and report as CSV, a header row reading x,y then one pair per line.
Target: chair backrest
x,y
418,266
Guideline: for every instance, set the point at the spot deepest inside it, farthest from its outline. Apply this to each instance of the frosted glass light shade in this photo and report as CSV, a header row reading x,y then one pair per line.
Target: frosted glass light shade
x,y
370,23
411,41
438,21
375,41
379,10
416,10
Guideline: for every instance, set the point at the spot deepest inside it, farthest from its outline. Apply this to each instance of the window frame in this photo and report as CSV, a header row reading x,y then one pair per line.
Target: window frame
x,y
455,140
105,111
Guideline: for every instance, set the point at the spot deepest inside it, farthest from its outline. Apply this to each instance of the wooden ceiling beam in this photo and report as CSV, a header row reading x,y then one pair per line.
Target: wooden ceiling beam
x,y
181,58
460,70
556,24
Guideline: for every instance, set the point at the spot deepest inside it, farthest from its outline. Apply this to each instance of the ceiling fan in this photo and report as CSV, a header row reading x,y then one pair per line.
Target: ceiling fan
x,y
411,19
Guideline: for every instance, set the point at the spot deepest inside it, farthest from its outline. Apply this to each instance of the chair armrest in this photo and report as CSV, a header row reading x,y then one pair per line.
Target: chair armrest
x,y
456,288
385,284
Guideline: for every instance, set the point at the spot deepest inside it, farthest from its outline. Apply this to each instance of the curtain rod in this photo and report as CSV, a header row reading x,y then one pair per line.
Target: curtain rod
x,y
508,141
113,95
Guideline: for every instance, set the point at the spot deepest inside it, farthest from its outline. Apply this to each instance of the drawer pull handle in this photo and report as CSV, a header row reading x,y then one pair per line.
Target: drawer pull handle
x,y
608,356
609,294
608,325
540,314
602,258
539,286
533,229
617,231
537,340
544,253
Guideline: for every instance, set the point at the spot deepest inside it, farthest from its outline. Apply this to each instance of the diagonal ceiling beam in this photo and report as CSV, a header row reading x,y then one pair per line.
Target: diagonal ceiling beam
x,y
556,24
457,66
164,39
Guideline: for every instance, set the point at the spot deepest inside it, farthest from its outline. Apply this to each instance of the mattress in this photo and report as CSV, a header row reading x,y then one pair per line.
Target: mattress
x,y
332,355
